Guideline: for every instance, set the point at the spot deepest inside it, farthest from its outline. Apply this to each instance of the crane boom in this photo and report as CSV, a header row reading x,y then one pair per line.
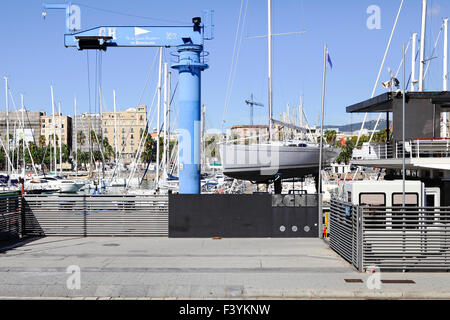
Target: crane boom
x,y
189,41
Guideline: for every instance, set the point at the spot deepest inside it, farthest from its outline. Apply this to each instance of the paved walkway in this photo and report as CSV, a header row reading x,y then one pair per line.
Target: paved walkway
x,y
196,268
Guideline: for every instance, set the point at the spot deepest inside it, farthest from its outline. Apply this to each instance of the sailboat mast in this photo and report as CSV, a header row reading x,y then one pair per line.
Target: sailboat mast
x,y
76,134
53,127
165,122
7,129
169,88
60,138
115,128
269,43
23,135
413,62
422,45
102,147
158,122
445,76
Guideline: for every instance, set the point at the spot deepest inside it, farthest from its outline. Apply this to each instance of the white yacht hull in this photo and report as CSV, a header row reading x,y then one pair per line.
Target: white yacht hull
x,y
264,162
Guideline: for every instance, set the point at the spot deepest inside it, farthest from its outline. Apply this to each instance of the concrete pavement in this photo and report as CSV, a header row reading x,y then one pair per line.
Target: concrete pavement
x,y
195,268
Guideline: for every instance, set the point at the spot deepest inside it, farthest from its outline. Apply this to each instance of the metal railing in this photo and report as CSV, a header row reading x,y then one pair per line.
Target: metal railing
x,y
391,238
105,215
419,148
10,214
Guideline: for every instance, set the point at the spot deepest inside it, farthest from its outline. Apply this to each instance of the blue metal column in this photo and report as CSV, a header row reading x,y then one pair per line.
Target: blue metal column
x,y
189,90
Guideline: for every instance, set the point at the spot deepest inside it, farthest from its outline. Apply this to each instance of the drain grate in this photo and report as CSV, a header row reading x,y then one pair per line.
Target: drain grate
x,y
398,281
353,280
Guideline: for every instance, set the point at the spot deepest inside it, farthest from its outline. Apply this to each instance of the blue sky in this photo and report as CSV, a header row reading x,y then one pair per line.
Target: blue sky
x,y
33,55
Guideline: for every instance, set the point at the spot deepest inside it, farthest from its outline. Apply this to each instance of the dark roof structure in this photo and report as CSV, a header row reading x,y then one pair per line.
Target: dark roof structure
x,y
385,101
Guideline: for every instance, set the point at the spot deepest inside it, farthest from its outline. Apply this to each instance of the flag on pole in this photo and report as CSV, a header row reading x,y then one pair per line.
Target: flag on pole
x,y
329,60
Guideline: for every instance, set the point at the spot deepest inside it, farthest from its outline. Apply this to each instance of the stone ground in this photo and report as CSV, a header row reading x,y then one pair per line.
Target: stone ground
x,y
196,268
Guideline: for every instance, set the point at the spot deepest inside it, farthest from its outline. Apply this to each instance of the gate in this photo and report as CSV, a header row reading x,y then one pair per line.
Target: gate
x,y
88,215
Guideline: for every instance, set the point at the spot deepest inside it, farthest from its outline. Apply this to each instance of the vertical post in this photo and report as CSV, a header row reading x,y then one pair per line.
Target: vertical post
x,y
269,44
158,120
189,68
319,191
445,116
413,62
422,45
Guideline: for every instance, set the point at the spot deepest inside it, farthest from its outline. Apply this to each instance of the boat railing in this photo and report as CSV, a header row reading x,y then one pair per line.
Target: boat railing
x,y
417,148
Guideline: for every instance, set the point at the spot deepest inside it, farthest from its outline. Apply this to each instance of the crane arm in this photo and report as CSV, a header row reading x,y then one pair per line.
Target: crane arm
x,y
145,36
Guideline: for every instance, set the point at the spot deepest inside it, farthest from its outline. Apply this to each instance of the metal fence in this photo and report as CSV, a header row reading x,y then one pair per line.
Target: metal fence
x,y
10,214
105,215
394,238
345,231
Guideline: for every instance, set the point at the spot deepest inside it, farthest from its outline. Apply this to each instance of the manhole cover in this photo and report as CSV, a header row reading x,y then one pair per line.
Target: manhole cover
x,y
111,244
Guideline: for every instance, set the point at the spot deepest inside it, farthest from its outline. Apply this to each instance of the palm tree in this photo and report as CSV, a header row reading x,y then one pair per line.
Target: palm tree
x,y
330,136
42,140
81,138
148,150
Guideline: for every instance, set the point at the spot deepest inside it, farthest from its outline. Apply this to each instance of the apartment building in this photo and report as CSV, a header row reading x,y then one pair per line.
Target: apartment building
x,y
56,124
32,121
81,124
124,129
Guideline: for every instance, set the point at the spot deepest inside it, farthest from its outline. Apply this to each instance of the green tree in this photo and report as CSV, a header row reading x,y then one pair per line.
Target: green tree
x,y
81,138
330,136
346,152
41,141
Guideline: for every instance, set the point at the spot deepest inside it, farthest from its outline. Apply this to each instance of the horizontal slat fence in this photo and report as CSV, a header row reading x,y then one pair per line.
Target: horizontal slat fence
x,y
395,238
105,215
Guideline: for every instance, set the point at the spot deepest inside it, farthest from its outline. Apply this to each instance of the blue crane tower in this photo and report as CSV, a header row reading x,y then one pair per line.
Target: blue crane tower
x,y
189,41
